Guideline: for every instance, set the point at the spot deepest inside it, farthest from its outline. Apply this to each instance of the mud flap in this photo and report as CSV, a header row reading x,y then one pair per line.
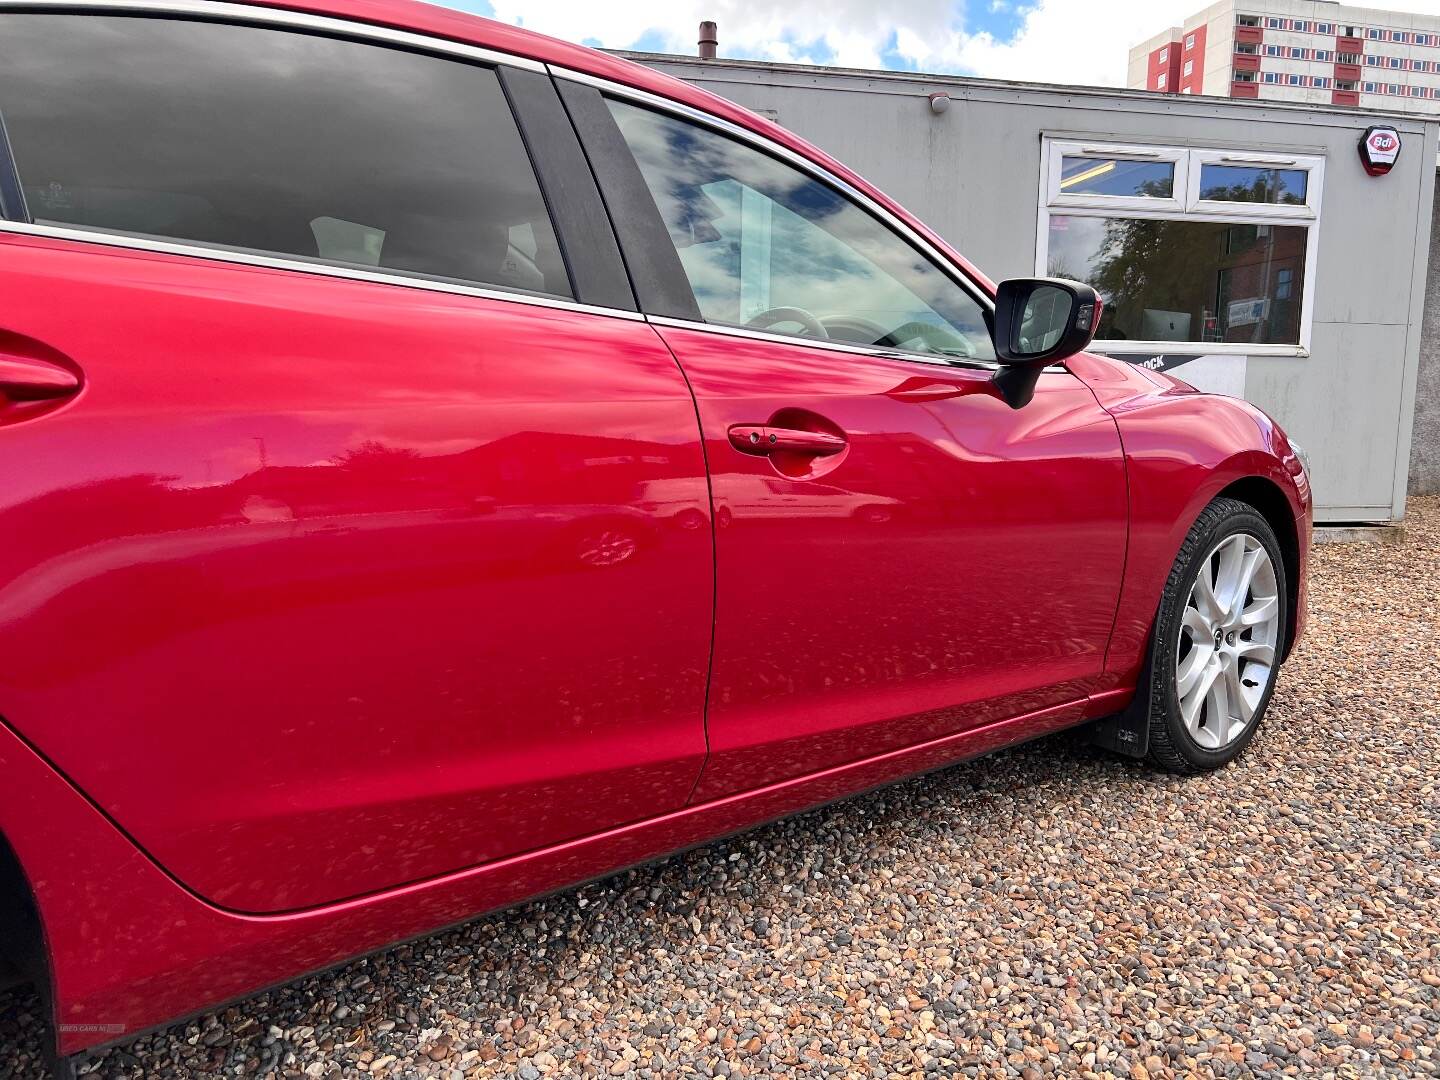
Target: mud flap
x,y
1128,732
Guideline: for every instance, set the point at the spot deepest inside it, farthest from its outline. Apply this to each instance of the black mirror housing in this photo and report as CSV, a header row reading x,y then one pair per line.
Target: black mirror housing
x,y
1039,321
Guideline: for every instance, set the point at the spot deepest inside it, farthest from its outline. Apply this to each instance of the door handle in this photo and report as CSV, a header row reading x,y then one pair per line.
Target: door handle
x,y
760,440
23,378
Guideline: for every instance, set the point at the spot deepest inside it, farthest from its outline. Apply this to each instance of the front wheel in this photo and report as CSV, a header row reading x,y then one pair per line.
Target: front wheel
x,y
1218,640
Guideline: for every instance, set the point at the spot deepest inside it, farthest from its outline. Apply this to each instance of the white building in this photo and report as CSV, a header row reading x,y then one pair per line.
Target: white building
x,y
1309,51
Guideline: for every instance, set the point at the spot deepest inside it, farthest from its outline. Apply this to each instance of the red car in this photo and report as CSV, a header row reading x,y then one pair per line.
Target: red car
x,y
444,464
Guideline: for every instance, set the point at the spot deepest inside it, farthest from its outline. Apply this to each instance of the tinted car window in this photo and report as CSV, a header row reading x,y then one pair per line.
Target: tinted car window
x,y
766,245
274,141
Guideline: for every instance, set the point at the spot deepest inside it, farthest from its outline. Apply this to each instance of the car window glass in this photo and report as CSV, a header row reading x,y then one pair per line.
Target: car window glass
x,y
273,141
765,245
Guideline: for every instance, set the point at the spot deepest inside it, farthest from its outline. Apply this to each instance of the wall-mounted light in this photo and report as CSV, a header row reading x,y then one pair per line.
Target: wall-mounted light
x,y
939,102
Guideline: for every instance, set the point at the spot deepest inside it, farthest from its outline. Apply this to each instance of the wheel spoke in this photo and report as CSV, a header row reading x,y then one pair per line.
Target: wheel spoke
x,y
1257,652
1190,704
1217,711
1201,628
1203,598
1244,707
1189,670
1251,561
1261,611
1228,575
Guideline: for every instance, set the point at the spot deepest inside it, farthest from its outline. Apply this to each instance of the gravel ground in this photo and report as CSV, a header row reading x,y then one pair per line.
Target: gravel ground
x,y
1049,911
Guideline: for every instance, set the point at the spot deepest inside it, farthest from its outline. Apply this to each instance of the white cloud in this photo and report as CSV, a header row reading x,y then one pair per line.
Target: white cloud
x,y
1064,41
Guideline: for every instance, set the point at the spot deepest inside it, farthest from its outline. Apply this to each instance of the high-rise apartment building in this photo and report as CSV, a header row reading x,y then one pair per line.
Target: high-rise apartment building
x,y
1315,51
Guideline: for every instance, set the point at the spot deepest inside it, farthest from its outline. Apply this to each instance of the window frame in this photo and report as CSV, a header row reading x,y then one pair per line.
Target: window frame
x,y
569,239
1188,206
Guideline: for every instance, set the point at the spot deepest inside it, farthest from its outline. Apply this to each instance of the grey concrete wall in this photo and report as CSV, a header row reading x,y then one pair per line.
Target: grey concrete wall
x,y
1425,442
973,174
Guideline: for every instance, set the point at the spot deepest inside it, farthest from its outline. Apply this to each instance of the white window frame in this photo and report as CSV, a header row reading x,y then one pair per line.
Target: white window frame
x,y
1186,205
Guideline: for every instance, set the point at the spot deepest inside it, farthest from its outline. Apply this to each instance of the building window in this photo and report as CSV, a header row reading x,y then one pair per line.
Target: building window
x,y
1324,55
1324,28
1189,67
1189,42
1396,62
1297,54
1246,48
1348,58
1193,250
1370,88
1373,61
1271,77
1159,82
1244,76
1321,82
1247,20
1163,58
1376,35
1272,24
1294,80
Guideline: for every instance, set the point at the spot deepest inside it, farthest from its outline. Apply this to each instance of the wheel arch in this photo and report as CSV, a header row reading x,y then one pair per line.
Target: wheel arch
x,y
1271,503
22,938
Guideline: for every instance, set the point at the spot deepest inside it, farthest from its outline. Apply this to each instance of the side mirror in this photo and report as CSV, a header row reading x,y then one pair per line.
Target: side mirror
x,y
1038,321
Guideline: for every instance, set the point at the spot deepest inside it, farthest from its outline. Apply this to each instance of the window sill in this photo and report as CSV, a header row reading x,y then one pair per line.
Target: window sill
x,y
1194,348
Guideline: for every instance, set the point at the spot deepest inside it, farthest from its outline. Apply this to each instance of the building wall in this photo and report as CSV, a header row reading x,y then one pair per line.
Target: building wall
x,y
973,173
1425,444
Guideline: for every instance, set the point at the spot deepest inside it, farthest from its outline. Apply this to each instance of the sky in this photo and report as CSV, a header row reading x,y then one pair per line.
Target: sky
x,y
1065,41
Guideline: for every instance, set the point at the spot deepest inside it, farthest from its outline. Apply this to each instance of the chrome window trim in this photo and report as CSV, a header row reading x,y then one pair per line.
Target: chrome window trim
x,y
218,11
831,345
317,269
760,142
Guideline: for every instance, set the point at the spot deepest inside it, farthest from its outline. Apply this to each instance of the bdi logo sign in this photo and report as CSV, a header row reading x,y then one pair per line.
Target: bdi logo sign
x,y
1379,149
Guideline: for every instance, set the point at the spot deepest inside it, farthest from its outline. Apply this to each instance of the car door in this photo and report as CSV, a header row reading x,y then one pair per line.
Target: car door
x,y
324,447
900,554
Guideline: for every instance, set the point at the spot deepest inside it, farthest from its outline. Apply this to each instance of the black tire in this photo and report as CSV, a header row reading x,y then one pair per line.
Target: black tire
x,y
1172,747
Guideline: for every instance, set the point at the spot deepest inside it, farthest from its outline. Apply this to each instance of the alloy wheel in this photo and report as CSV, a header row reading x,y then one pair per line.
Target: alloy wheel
x,y
1227,652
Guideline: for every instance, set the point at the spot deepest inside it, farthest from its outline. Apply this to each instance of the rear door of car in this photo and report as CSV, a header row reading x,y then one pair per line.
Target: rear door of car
x,y
326,431
900,555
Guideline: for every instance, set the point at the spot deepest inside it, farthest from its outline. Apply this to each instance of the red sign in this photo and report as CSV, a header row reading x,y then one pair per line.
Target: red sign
x,y
1379,149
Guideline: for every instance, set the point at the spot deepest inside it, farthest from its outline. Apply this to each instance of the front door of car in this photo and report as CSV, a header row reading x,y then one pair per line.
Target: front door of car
x,y
328,563
900,555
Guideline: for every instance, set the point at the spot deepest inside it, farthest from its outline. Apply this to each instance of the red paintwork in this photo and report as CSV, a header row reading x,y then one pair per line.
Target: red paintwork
x,y
295,589
333,534
873,604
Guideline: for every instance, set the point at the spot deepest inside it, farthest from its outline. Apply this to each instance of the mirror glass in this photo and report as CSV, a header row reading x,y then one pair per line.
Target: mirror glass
x,y
1046,316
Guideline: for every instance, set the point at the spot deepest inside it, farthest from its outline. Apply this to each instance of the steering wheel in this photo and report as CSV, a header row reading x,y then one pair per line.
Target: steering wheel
x,y
766,319
937,337
853,328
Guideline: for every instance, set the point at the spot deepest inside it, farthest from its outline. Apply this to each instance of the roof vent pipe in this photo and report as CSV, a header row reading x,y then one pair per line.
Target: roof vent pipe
x,y
708,40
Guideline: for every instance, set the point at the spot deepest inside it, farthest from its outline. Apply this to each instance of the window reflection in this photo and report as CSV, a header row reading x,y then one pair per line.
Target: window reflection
x,y
1241,183
1186,280
766,246
1116,176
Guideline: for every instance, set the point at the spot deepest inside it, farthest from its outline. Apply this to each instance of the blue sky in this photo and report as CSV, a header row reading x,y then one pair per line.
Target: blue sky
x,y
1063,41
999,38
